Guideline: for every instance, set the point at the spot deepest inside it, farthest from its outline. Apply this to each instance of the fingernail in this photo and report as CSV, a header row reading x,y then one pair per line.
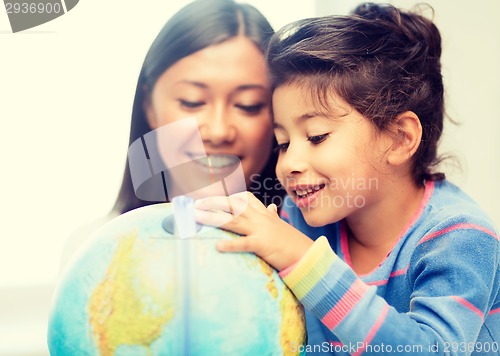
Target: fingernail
x,y
219,245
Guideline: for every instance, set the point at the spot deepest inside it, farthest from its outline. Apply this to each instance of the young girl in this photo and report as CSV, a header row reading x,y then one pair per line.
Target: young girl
x,y
385,254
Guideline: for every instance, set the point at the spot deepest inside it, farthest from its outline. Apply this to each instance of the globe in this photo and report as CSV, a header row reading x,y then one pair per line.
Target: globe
x,y
135,288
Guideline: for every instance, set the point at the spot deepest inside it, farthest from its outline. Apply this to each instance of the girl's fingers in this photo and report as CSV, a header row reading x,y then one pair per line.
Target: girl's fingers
x,y
272,208
222,220
234,204
212,218
241,244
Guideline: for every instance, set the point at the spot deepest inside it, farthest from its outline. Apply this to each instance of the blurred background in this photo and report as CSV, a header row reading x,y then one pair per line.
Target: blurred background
x,y
66,90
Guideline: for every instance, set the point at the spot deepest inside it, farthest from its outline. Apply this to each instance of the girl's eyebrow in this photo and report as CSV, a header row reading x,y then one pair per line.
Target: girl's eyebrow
x,y
302,118
306,116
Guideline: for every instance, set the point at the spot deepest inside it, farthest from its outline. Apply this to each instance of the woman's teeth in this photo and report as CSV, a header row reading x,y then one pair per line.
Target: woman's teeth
x,y
218,160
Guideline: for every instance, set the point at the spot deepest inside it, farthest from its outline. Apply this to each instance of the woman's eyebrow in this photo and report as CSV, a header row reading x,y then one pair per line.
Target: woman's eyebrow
x,y
192,82
252,86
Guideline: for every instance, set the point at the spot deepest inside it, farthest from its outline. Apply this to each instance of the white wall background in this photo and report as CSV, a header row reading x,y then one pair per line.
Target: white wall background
x,y
66,91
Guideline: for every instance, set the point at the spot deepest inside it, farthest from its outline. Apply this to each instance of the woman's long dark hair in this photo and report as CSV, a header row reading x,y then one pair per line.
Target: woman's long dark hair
x,y
198,25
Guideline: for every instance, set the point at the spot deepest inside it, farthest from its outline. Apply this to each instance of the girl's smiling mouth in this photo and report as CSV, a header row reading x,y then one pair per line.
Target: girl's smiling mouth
x,y
305,195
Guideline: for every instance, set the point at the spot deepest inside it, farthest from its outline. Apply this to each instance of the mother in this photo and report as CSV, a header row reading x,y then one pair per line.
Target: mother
x,y
206,64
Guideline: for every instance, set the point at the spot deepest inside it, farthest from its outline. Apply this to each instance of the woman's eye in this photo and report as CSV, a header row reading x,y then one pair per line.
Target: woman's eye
x,y
281,147
191,104
251,109
317,139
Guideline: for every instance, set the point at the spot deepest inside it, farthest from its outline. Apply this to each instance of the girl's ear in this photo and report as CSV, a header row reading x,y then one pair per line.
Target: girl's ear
x,y
407,137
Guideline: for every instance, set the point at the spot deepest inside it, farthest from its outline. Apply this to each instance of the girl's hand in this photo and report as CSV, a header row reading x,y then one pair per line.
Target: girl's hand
x,y
263,231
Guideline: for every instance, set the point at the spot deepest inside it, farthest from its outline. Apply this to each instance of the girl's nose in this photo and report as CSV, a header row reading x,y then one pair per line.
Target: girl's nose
x,y
292,161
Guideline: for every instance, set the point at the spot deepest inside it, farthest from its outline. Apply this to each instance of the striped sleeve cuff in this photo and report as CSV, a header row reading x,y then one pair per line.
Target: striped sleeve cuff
x,y
325,284
310,269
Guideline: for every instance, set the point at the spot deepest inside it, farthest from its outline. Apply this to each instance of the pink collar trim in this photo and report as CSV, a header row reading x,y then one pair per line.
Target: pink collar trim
x,y
344,246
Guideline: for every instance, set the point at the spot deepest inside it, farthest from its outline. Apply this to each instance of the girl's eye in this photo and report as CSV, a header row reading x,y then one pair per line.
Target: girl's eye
x,y
317,139
191,104
251,109
281,147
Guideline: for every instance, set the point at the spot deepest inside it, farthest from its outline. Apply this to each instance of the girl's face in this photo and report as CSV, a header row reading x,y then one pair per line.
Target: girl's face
x,y
224,89
331,163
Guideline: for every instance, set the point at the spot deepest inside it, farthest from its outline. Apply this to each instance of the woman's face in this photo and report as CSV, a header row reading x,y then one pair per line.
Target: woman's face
x,y
224,90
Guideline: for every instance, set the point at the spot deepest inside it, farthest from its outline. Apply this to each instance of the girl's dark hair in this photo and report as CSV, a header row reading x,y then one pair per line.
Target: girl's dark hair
x,y
198,25
380,60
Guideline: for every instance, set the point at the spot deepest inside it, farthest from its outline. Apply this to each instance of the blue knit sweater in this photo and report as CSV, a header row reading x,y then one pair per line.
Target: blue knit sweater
x,y
436,292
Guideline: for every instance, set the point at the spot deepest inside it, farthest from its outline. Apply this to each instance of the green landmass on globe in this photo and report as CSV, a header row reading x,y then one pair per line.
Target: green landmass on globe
x,y
135,289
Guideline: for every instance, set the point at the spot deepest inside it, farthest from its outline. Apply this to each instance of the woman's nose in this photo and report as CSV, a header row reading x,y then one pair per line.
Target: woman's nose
x,y
217,127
